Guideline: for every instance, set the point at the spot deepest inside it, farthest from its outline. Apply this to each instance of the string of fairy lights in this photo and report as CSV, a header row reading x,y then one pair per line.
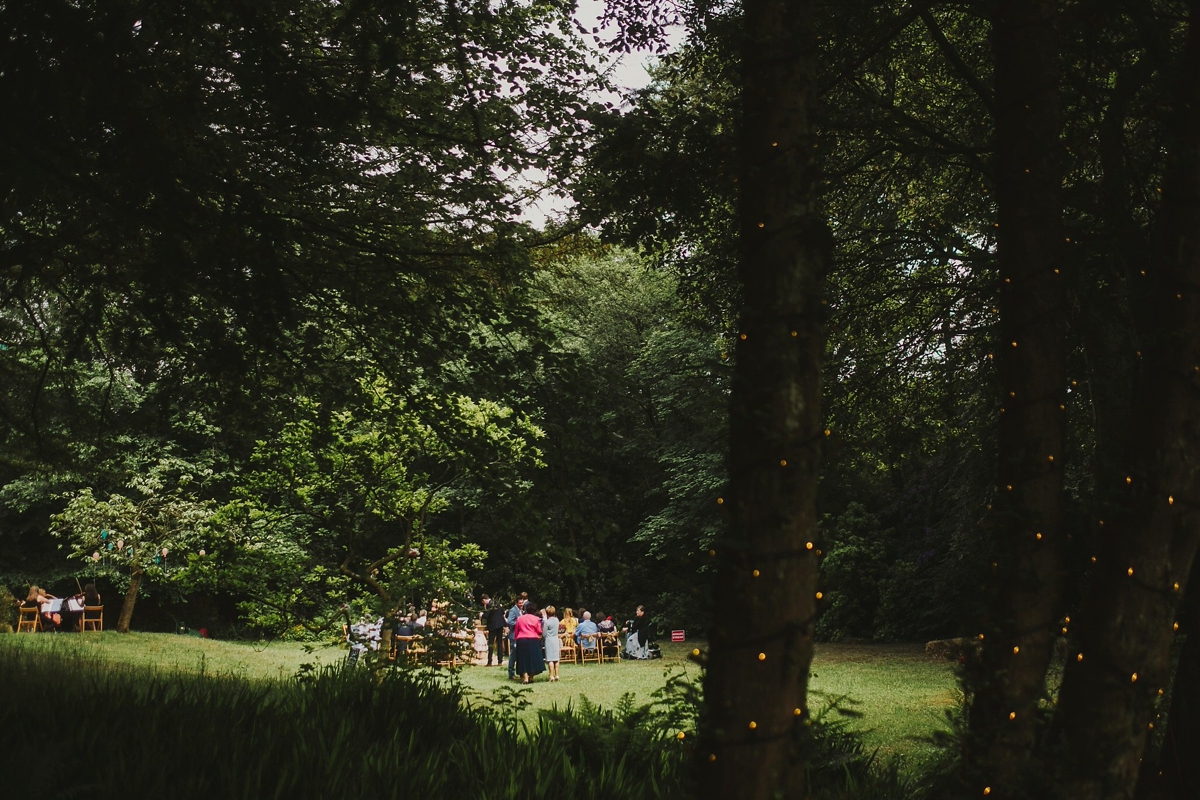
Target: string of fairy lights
x,y
1049,460
761,730
1170,592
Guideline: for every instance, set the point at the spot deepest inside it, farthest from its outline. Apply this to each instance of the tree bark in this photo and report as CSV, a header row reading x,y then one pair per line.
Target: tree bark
x,y
131,595
1024,595
1175,773
1146,548
762,641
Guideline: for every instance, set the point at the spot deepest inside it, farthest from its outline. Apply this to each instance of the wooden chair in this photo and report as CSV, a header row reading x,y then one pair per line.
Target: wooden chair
x,y
30,620
610,647
586,655
92,619
570,651
398,652
417,650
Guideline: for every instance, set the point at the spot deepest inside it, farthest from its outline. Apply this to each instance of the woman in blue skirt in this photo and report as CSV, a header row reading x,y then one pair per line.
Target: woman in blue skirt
x,y
528,632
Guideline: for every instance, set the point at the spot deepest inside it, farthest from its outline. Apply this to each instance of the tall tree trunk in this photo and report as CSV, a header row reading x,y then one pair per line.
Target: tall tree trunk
x,y
761,644
1024,602
1147,547
1175,773
131,595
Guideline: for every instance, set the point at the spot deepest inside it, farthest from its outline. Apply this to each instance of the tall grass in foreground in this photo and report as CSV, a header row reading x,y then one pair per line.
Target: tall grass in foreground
x,y
78,726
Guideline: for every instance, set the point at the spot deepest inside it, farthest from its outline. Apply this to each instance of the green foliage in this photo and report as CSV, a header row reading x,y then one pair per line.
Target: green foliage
x,y
8,611
333,733
336,506
138,534
396,733
633,406
855,563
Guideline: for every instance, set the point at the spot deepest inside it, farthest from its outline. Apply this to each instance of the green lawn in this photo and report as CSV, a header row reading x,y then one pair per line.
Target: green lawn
x,y
901,694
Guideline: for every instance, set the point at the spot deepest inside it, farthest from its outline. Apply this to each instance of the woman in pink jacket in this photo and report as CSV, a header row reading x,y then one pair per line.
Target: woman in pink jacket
x,y
528,633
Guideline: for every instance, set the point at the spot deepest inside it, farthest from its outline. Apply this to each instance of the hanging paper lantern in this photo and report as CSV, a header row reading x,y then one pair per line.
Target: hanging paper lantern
x,y
164,552
103,534
96,556
120,544
202,554
157,560
110,545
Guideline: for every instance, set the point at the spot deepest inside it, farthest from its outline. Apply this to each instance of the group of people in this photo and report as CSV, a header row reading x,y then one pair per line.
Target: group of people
x,y
533,635
58,614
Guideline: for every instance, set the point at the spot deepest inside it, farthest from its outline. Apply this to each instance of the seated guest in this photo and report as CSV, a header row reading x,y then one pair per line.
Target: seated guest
x,y
607,626
47,609
569,621
637,645
404,627
31,601
584,628
90,596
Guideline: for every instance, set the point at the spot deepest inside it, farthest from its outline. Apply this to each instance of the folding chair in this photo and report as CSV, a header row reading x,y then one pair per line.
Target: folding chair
x,y
591,640
570,651
610,647
93,619
30,620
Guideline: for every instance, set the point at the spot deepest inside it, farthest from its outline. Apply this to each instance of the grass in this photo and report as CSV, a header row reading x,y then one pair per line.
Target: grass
x,y
901,695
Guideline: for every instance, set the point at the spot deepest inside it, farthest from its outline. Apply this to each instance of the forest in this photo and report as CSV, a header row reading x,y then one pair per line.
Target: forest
x,y
859,322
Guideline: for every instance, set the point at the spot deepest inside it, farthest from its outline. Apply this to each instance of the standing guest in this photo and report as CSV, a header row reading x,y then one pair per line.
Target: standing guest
x,y
492,618
553,643
586,628
569,622
637,644
510,622
528,634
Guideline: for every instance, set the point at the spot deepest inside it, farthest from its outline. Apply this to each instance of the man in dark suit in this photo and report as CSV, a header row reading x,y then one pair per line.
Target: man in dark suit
x,y
492,618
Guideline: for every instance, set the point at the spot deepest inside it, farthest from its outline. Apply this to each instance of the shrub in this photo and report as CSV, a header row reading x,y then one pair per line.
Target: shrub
x,y
8,610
